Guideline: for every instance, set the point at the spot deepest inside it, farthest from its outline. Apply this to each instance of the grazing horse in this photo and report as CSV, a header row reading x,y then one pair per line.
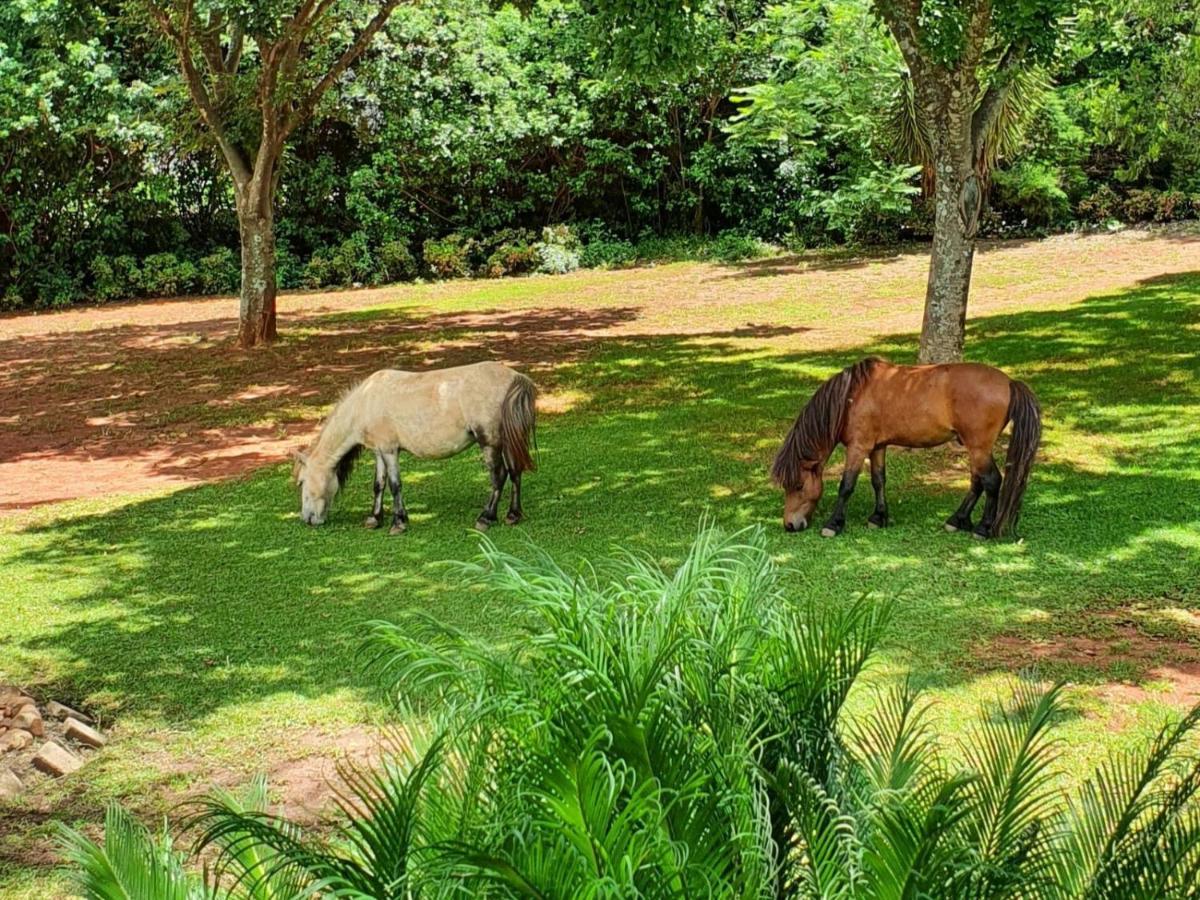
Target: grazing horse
x,y
873,404
431,415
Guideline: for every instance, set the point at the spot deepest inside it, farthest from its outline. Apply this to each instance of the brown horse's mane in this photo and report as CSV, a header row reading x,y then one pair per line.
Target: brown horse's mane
x,y
819,426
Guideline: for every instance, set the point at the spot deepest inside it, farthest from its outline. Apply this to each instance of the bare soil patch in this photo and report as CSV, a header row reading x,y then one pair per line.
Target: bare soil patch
x,y
1132,655
139,397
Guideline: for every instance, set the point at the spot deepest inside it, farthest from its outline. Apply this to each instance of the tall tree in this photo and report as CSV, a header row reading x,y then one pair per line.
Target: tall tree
x,y
963,57
255,72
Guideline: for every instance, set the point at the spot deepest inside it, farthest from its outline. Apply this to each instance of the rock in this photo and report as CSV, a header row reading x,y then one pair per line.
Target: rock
x,y
31,720
16,739
10,785
77,731
56,710
56,760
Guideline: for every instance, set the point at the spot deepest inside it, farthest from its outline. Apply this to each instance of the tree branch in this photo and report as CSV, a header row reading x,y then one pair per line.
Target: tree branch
x,y
997,91
181,38
901,18
305,107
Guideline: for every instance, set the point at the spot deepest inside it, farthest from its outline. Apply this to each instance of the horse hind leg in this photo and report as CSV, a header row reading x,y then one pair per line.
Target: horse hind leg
x,y
991,487
515,513
981,465
399,513
498,472
372,521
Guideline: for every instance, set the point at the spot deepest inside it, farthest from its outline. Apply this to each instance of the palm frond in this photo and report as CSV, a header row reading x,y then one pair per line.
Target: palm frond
x,y
1012,799
130,864
1135,824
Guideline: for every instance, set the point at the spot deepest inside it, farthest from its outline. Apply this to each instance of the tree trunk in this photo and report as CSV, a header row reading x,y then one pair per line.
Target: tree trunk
x,y
257,319
957,202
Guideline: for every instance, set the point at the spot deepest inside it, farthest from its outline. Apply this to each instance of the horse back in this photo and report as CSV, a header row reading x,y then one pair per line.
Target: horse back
x,y
437,413
923,406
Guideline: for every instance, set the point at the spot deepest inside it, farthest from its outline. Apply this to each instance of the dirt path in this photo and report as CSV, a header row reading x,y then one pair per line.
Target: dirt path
x,y
145,396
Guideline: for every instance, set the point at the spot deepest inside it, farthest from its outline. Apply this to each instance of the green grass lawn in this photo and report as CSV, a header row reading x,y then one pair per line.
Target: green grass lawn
x,y
213,627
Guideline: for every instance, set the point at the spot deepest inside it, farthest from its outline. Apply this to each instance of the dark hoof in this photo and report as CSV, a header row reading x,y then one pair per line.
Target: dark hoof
x,y
398,528
953,525
877,521
830,532
513,518
981,534
370,522
482,524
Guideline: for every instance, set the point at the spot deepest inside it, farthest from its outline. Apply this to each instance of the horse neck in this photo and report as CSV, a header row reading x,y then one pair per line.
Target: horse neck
x,y
338,436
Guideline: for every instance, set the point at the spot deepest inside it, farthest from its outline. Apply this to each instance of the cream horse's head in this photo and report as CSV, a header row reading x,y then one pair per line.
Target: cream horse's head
x,y
318,486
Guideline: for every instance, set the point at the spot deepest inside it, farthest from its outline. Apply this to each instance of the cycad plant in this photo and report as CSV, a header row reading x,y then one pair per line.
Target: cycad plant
x,y
685,735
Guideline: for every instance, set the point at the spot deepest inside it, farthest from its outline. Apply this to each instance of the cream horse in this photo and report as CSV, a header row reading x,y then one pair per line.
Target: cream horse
x,y
431,415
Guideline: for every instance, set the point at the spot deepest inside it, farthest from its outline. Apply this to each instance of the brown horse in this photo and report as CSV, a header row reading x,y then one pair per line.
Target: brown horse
x,y
873,404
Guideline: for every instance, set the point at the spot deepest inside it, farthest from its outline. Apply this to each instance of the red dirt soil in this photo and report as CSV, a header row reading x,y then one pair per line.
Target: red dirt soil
x,y
142,397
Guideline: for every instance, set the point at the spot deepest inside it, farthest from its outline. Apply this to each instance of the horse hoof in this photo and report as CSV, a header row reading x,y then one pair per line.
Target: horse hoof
x,y
398,528
482,524
951,528
371,522
876,523
513,519
828,532
980,535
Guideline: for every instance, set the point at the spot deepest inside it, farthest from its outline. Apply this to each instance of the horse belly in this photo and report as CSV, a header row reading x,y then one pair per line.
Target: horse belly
x,y
437,442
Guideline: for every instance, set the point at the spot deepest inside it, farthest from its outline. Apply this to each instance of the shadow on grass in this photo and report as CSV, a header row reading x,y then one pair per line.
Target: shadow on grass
x,y
179,606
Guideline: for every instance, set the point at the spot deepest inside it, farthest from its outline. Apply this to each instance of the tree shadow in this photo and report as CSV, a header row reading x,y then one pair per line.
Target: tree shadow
x,y
667,430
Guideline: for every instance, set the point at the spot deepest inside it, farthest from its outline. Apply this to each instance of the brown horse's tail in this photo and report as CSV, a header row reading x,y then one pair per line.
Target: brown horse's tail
x,y
518,425
1026,418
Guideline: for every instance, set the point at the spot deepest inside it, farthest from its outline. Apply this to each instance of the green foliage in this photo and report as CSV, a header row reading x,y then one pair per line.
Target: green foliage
x,y
394,262
686,734
558,250
1033,191
219,272
607,253
449,257
784,122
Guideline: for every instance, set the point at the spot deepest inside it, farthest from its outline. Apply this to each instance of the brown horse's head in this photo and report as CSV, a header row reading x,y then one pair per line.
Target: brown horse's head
x,y
800,464
801,500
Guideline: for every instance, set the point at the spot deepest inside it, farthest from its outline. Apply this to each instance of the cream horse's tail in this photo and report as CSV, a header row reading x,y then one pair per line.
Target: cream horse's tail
x,y
518,424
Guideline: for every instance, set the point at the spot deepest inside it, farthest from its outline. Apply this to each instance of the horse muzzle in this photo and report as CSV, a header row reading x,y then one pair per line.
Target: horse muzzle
x,y
797,525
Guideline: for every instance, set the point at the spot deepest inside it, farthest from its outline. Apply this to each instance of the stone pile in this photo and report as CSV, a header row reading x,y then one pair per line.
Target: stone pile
x,y
40,740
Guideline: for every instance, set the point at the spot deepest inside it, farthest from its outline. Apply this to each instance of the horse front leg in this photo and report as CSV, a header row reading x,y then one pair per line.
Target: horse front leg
x,y
498,472
399,513
879,518
837,519
372,521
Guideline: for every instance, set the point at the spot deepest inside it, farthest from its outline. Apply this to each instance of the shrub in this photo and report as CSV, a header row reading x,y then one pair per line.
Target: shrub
x,y
394,262
511,251
220,272
685,735
558,250
448,257
1140,206
106,283
350,262
730,246
604,253
1032,192
317,271
165,275
128,274
1103,205
1172,206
